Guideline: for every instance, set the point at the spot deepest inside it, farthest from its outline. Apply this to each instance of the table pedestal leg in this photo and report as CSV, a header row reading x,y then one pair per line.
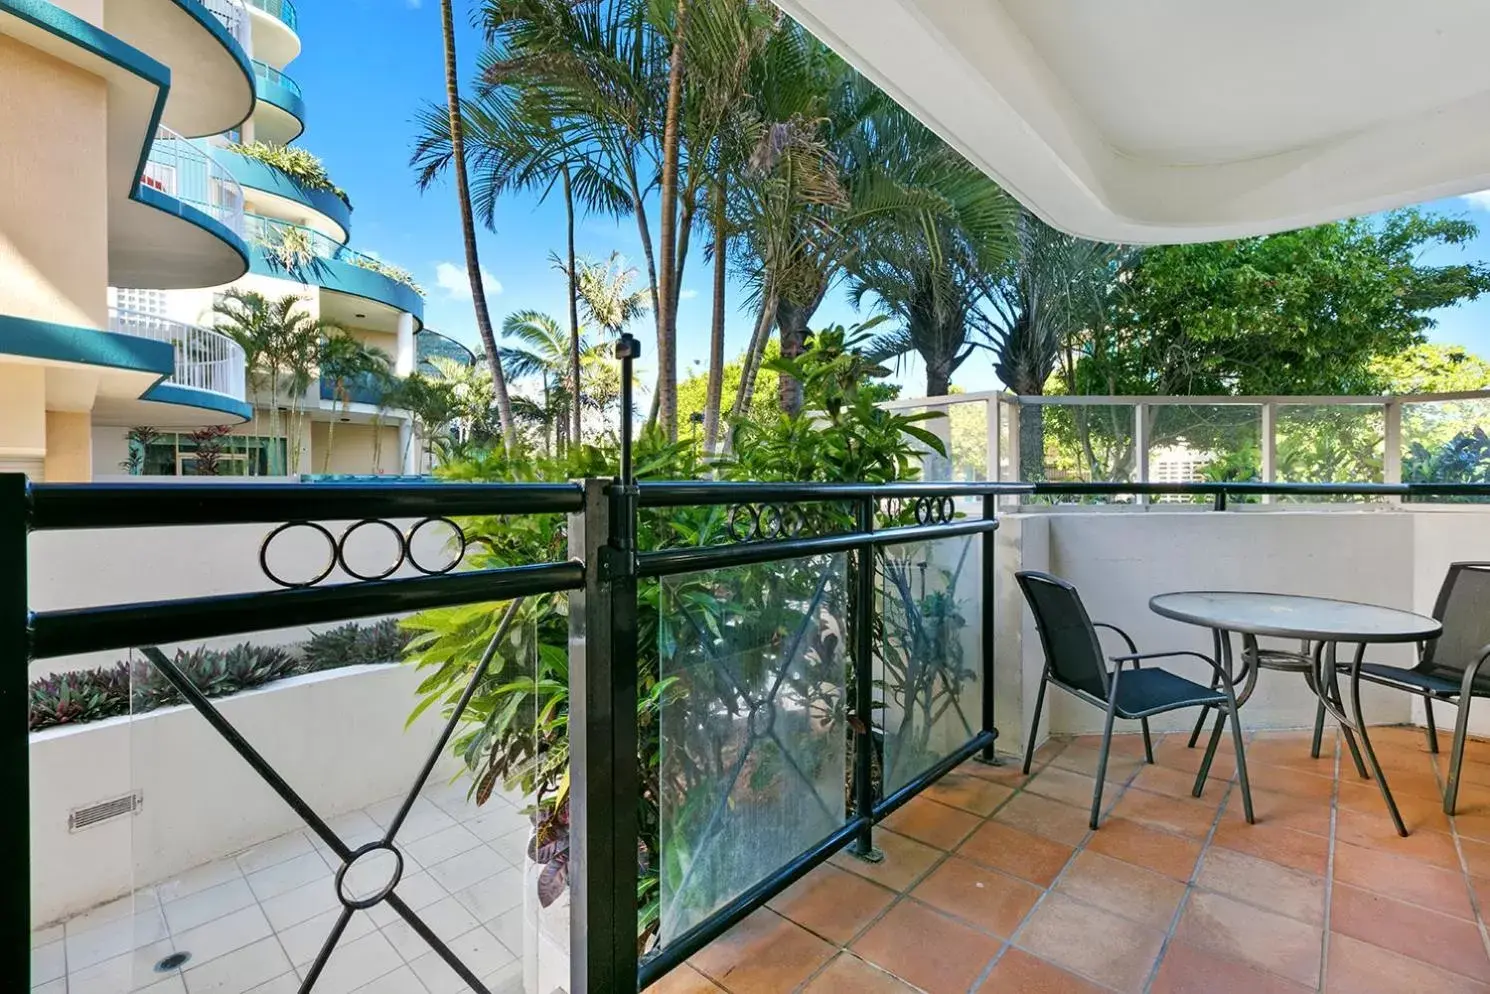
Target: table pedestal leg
x,y
1358,725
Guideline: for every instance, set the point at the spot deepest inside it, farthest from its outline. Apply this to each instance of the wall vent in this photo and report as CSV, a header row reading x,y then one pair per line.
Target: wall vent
x,y
95,814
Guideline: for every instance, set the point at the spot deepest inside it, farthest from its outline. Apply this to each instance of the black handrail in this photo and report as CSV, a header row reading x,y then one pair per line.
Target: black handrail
x,y
1211,489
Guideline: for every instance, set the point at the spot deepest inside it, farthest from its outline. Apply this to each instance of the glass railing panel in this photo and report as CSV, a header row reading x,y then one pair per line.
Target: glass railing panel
x,y
927,663
1191,443
752,749
268,74
1446,441
282,9
182,169
1330,443
1078,443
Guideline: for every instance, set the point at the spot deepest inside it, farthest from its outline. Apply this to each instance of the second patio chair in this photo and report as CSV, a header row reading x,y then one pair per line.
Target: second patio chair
x,y
1075,663
1452,666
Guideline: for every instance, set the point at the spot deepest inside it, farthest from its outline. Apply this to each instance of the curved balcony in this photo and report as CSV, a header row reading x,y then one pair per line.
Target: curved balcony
x,y
276,193
233,16
184,226
211,372
276,27
279,116
291,251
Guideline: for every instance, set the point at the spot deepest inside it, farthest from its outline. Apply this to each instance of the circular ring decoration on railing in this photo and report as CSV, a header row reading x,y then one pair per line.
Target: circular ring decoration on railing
x,y
341,550
459,536
793,520
363,903
762,719
333,555
949,509
744,522
935,510
772,522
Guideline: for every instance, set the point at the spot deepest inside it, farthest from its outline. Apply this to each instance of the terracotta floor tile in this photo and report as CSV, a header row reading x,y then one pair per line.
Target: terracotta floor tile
x,y
1266,884
1267,941
927,949
1079,759
1042,816
1415,932
1304,814
1360,968
1018,972
833,903
1417,812
1375,831
990,900
963,790
1470,772
1173,753
1163,852
1094,943
1282,780
933,823
1074,789
1171,782
1187,969
1048,750
685,980
1010,772
904,863
1188,817
764,954
1030,857
1299,850
1476,857
1471,823
1291,752
849,973
1134,893
1404,879
1123,743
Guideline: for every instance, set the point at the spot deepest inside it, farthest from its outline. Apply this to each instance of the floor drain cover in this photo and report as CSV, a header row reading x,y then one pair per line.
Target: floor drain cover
x,y
175,961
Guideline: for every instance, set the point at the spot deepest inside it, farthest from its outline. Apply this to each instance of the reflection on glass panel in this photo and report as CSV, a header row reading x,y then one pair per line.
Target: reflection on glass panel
x,y
752,757
927,668
968,427
1190,443
1446,442
1008,415
1330,443
1078,443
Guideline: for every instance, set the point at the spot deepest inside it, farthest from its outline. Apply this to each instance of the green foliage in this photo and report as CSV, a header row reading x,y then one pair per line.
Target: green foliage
x,y
216,673
1465,458
296,163
353,644
1429,368
396,273
79,696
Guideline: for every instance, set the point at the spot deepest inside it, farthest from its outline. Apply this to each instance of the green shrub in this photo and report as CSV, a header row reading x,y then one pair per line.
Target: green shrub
x,y
354,645
298,164
82,695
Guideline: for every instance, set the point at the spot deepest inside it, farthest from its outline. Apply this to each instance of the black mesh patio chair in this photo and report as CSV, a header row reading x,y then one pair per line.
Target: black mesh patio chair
x,y
1074,662
1449,667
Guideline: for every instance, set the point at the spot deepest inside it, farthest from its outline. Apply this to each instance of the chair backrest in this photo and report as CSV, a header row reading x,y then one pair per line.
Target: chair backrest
x,y
1073,655
1463,607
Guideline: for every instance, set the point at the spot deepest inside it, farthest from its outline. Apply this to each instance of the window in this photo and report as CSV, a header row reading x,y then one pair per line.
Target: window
x,y
175,454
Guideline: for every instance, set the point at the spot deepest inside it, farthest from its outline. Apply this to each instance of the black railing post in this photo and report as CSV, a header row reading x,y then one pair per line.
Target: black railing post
x,y
603,746
990,551
15,760
863,655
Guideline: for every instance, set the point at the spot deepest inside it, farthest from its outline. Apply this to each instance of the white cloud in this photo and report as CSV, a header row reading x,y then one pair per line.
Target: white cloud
x,y
456,283
687,294
412,4
1480,200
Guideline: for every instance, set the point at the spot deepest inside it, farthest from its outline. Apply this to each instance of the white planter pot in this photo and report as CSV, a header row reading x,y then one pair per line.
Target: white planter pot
x,y
545,937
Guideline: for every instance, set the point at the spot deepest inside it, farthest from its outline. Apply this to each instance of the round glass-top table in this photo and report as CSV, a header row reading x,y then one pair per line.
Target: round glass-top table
x,y
1319,620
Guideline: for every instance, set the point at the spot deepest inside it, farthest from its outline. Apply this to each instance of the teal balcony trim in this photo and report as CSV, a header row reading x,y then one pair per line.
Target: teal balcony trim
x,y
363,389
274,87
215,27
256,175
331,266
206,400
87,346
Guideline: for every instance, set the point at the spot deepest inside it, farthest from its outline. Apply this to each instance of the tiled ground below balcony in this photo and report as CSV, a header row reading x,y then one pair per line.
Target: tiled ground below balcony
x,y
992,882
253,922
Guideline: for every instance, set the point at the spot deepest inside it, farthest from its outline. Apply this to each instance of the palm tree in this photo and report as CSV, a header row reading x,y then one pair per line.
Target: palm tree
x,y
345,361
468,228
540,348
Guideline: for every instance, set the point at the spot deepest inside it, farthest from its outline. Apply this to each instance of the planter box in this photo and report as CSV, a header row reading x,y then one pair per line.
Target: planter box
x,y
337,737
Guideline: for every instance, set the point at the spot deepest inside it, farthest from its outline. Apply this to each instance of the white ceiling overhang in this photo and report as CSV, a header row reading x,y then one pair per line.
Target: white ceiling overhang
x,y
1156,121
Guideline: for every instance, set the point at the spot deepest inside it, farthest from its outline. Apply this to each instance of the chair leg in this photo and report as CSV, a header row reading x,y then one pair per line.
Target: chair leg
x,y
1148,742
1029,747
1456,756
1210,755
1199,724
1432,728
1241,764
1102,765
1318,730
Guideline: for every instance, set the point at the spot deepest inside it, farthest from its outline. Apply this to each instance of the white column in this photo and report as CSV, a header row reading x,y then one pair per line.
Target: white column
x,y
403,362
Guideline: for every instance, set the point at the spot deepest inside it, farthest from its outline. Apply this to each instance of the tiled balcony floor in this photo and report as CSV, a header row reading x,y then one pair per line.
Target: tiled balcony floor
x,y
992,882
254,921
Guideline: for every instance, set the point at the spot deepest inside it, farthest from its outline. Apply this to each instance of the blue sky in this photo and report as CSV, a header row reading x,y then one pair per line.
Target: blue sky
x,y
366,68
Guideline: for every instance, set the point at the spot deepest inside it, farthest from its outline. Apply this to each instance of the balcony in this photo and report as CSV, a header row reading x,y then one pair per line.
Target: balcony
x,y
233,15
282,9
292,251
206,360
365,389
275,31
279,117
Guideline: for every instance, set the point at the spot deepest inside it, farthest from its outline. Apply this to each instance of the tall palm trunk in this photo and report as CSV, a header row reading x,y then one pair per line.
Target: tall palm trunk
x,y
667,345
753,354
574,399
468,231
716,334
791,319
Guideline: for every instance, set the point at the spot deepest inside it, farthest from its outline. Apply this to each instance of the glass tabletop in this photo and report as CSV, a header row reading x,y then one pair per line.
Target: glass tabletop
x,y
1294,616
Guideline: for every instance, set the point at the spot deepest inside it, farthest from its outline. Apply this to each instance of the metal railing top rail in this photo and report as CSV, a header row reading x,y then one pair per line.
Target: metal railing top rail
x,y
1210,489
59,506
1179,400
683,493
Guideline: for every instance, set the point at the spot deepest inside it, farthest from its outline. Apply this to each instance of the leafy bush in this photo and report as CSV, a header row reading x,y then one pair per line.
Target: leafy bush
x,y
137,687
1465,458
296,163
396,273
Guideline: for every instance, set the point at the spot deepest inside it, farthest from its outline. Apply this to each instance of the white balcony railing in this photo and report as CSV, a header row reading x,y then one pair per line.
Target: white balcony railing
x,y
205,359
182,169
234,16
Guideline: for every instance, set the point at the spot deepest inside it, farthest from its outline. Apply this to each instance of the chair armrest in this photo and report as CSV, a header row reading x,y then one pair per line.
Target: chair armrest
x,y
1134,657
1132,648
